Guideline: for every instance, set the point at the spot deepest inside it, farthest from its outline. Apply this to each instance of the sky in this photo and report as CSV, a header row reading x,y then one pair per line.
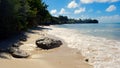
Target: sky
x,y
106,11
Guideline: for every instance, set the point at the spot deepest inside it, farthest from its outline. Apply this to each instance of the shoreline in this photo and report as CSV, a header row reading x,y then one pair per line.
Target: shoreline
x,y
61,57
99,51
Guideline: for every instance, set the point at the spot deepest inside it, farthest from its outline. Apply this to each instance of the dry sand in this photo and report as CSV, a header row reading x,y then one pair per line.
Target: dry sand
x,y
62,57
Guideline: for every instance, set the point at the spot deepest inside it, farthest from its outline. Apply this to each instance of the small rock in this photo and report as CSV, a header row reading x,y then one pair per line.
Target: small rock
x,y
48,43
17,53
17,44
5,55
87,60
13,49
20,54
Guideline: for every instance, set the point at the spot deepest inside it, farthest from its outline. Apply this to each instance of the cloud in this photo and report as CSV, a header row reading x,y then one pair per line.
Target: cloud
x,y
114,0
79,11
72,4
62,11
109,19
54,11
111,8
104,1
86,1
98,1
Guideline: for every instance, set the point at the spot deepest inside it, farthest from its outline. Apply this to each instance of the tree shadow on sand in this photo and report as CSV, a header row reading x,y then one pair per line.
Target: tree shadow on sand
x,y
6,43
39,28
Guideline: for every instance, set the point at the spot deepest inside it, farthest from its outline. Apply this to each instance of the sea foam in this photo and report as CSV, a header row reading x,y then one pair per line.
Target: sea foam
x,y
101,52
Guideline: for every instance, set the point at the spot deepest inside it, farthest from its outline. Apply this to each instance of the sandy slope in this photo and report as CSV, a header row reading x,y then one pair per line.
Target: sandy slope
x,y
62,57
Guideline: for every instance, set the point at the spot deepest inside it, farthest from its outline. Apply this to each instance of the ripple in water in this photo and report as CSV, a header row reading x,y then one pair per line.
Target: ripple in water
x,y
101,52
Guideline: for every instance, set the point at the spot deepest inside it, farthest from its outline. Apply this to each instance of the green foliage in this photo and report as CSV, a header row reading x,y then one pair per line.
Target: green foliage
x,y
8,16
66,20
38,13
18,15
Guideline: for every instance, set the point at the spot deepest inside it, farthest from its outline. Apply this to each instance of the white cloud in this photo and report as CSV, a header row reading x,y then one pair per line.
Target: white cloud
x,y
54,11
79,11
62,11
109,19
98,1
72,4
111,8
55,15
86,1
84,17
114,0
104,1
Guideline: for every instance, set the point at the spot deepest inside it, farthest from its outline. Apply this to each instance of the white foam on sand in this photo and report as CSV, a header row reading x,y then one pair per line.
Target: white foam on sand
x,y
101,52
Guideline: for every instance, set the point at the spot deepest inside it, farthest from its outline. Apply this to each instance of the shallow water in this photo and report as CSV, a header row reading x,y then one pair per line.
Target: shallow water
x,y
105,30
101,52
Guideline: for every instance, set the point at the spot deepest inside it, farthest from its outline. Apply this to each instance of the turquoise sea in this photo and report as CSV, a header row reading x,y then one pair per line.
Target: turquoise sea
x,y
106,30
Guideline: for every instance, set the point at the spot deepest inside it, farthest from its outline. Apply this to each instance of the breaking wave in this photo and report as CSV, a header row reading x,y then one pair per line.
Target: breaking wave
x,y
101,52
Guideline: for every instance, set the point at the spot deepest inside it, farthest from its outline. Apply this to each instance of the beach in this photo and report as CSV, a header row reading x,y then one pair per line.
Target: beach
x,y
102,52
61,57
59,34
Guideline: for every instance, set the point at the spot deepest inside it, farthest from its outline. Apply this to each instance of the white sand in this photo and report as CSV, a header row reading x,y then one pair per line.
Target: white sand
x,y
62,57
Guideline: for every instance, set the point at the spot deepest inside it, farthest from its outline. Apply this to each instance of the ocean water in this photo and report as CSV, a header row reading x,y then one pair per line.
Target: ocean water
x,y
105,30
99,43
